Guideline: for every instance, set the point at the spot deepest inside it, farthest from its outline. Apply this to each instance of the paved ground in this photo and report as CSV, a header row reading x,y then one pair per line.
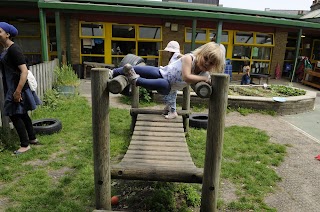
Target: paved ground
x,y
300,173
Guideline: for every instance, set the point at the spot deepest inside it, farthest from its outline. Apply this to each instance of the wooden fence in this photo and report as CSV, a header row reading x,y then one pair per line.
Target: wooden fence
x,y
44,74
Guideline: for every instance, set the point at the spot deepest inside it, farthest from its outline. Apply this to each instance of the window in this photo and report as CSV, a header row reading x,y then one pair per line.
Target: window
x,y
91,29
261,53
123,31
149,32
243,37
224,37
204,36
265,39
241,52
260,68
30,42
201,35
144,41
92,42
253,48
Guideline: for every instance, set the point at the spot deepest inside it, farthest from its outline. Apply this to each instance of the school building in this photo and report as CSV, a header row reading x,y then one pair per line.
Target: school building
x,y
104,31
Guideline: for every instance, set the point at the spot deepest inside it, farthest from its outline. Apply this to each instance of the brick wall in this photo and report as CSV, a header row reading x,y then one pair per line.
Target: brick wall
x,y
74,41
280,40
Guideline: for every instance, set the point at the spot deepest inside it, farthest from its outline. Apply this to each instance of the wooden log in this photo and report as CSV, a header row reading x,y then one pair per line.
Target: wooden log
x,y
160,134
159,129
157,124
117,84
202,89
101,138
158,157
134,111
186,106
134,104
167,154
153,173
157,149
155,144
158,118
214,144
163,138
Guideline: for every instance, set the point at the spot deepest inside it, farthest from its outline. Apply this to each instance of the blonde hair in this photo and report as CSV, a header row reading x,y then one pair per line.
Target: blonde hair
x,y
215,53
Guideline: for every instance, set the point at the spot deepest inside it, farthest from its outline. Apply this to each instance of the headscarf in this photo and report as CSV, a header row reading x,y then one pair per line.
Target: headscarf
x,y
8,28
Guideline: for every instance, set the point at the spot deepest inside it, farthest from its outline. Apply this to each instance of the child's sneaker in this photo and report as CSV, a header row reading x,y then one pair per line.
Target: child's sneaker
x,y
130,73
171,115
110,73
167,108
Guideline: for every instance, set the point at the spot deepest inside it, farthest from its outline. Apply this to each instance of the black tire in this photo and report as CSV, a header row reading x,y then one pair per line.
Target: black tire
x,y
198,121
46,126
132,59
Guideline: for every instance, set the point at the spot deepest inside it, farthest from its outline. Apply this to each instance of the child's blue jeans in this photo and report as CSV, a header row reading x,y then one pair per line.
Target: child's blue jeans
x,y
171,100
150,78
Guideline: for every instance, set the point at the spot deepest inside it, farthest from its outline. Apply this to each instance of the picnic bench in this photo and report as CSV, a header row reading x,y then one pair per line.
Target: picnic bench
x,y
260,77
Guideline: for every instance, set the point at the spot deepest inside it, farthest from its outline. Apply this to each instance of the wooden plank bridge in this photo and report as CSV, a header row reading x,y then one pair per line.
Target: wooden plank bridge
x,y
158,151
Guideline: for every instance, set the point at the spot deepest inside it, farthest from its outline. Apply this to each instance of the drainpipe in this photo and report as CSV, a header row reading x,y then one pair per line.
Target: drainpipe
x,y
68,38
58,36
297,54
193,39
43,31
219,32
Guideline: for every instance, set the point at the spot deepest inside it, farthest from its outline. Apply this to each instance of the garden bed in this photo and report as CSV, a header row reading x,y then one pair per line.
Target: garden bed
x,y
259,98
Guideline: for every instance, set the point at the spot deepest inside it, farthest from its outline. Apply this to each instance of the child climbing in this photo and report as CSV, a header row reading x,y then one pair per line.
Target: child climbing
x,y
177,75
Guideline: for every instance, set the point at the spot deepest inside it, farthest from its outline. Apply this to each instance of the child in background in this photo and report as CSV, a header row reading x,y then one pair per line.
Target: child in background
x,y
170,100
177,75
245,80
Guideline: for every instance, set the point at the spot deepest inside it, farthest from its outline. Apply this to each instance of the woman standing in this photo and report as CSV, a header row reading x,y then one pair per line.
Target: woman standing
x,y
19,98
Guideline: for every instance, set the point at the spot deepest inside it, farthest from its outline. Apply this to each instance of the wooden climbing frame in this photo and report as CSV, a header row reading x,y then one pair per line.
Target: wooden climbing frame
x,y
158,150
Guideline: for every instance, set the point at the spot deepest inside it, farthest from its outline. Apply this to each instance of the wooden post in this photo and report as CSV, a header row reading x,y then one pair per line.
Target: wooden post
x,y
101,137
186,106
134,104
215,132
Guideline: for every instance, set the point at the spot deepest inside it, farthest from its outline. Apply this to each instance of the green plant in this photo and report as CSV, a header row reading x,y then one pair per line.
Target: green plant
x,y
65,75
288,91
144,95
51,99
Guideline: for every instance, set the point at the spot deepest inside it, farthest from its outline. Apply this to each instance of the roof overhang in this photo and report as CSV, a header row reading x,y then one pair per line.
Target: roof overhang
x,y
311,15
179,10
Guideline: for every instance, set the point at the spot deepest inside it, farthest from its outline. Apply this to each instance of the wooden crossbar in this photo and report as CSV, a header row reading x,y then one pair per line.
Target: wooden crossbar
x,y
158,152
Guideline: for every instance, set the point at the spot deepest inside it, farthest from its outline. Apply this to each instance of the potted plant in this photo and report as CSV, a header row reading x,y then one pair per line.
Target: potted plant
x,y
66,80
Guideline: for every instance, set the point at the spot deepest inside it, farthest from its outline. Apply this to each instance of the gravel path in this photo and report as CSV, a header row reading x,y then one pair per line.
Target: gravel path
x,y
300,172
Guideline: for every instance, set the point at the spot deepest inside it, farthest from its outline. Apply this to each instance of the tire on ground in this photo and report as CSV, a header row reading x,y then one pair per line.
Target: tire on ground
x,y
198,121
46,126
132,59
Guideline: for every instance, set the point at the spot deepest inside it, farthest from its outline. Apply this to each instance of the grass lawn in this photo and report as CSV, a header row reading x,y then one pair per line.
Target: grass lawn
x,y
58,175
